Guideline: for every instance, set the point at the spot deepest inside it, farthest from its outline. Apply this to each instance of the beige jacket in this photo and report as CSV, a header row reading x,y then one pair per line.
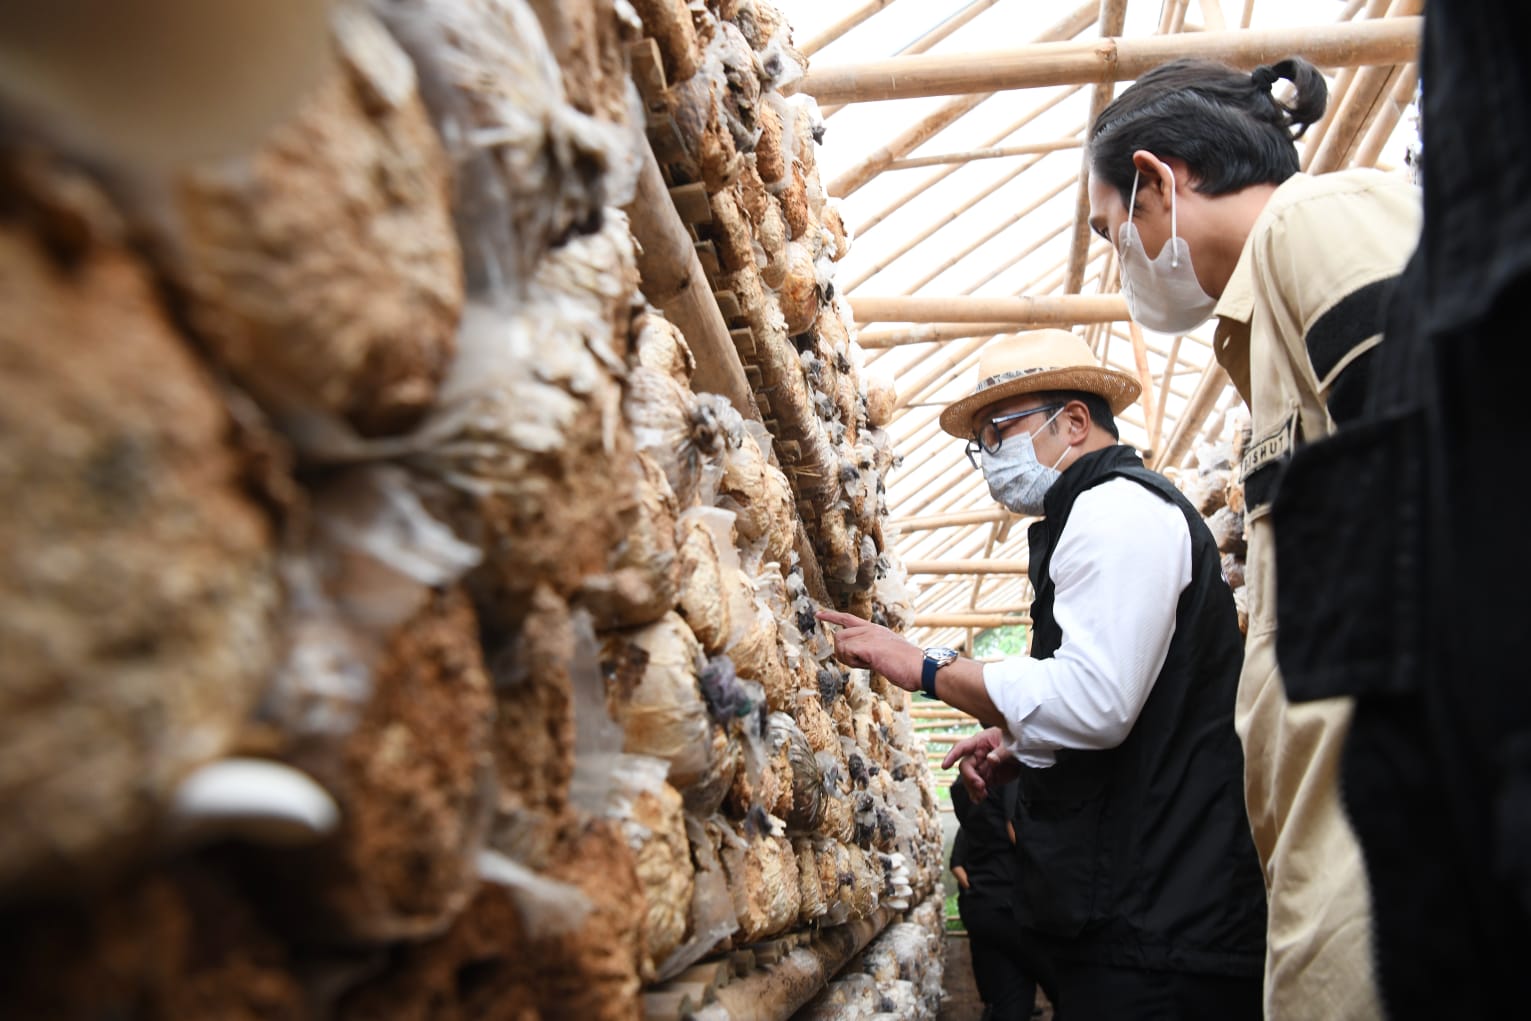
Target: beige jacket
x,y
1305,302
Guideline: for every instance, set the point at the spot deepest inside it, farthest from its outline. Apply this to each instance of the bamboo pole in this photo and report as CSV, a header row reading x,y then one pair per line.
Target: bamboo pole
x,y
852,179
672,279
1314,137
928,333
776,992
1021,255
993,233
1212,15
966,566
1164,393
1382,41
947,218
844,25
1214,380
935,521
1387,118
972,155
1342,82
954,360
1248,15
950,361
947,364
1177,17
1368,90
1055,309
934,179
974,620
1367,93
930,38
1113,14
1145,377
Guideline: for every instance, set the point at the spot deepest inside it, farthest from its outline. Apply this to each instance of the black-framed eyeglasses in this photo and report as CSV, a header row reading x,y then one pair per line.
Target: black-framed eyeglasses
x,y
988,436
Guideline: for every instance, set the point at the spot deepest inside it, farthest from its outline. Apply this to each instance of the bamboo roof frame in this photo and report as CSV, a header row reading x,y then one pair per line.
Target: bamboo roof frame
x,y
962,254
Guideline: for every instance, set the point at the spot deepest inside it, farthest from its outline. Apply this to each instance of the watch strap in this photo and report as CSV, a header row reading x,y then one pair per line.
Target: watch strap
x,y
928,677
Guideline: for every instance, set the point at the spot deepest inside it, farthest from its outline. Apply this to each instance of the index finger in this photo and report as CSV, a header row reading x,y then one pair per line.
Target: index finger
x,y
836,617
957,751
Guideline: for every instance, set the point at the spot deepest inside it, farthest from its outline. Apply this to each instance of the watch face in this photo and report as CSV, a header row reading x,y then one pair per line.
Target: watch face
x,y
941,655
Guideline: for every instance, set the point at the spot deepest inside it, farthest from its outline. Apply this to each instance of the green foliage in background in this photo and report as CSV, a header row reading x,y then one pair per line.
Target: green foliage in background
x,y
953,919
1000,641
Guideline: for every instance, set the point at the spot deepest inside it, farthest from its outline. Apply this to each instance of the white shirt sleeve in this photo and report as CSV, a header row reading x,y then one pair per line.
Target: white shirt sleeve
x,y
1119,568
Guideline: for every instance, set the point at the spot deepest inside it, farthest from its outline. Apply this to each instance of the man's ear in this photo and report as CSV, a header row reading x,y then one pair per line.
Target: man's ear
x,y
1078,418
1156,179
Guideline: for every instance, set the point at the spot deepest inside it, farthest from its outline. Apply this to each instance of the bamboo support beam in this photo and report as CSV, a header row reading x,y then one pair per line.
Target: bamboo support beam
x,y
672,279
947,218
1005,265
966,566
1387,118
950,520
1145,378
941,31
951,361
1157,431
975,620
972,155
871,166
841,27
849,182
947,362
1212,15
1214,381
994,232
1382,41
1174,17
1367,92
934,179
775,993
1113,15
1063,309
929,333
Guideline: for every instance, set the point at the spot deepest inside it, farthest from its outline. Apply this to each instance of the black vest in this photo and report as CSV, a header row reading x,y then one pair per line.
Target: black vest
x,y
1140,855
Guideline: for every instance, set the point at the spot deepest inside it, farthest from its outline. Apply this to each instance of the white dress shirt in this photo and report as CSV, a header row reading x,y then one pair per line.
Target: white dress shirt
x,y
1119,567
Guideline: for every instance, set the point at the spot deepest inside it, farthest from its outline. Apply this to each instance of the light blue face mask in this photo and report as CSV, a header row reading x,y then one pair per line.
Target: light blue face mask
x,y
1015,477
1162,293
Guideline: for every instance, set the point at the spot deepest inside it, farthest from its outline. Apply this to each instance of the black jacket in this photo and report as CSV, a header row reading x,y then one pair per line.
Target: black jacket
x,y
1140,855
982,843
1399,584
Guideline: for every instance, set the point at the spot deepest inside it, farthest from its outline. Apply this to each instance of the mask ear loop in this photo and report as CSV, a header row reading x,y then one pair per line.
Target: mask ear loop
x,y
1044,425
1174,224
1132,199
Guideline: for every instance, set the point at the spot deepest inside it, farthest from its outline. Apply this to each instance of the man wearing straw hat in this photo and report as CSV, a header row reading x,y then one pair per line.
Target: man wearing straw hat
x,y
1136,867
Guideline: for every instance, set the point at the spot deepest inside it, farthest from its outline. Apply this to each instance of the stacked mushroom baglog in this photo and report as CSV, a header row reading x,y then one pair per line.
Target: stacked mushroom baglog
x,y
394,624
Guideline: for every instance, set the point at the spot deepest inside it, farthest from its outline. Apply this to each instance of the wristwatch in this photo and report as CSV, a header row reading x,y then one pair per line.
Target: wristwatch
x,y
936,657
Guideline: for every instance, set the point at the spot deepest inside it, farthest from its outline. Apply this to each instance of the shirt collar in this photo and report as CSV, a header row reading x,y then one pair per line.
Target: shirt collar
x,y
1234,310
1238,300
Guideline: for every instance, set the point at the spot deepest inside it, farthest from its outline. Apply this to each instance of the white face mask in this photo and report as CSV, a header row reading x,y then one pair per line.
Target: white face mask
x,y
1015,477
1162,294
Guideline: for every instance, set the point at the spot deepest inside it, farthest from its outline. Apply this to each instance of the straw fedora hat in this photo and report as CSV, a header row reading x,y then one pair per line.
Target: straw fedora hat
x,y
1037,361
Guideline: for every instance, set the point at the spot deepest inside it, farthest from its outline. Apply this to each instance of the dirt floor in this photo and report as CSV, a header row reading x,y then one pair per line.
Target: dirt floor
x,y
961,1002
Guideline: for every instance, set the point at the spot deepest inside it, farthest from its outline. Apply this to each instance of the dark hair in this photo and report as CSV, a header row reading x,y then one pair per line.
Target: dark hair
x,y
1098,407
1223,123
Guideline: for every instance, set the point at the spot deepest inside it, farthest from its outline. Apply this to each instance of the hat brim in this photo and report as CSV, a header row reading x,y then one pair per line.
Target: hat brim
x,y
1118,388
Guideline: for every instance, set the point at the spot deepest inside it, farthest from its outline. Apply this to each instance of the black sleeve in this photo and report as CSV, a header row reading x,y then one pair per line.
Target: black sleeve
x,y
1354,320
959,850
961,804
